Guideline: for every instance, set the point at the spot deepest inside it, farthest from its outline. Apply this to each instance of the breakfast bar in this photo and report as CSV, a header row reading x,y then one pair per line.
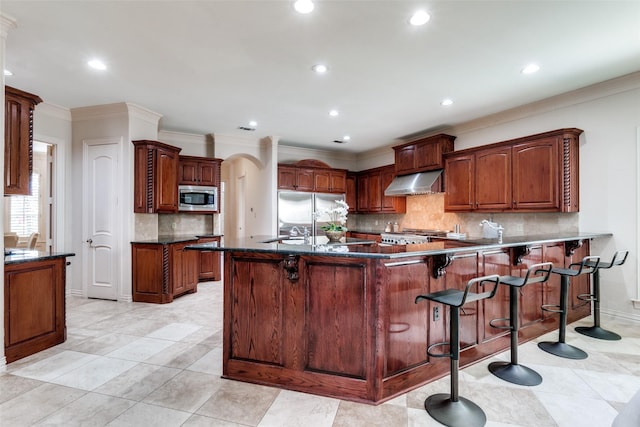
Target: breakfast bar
x,y
340,320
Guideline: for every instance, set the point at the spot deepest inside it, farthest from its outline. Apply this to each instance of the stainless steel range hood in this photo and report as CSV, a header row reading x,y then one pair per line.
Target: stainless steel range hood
x,y
417,183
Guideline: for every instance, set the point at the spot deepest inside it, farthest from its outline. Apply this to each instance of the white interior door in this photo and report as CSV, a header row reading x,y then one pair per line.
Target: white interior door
x,y
101,224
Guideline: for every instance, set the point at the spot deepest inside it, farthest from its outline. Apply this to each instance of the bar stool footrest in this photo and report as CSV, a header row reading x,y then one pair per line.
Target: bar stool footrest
x,y
598,332
462,413
440,344
586,297
562,349
515,373
552,308
500,319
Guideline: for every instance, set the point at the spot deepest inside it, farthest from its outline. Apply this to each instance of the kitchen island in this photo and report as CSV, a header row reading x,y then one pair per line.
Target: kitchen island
x,y
340,320
34,301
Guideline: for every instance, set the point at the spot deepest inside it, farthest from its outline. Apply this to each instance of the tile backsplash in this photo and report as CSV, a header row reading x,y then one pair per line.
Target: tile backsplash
x,y
427,212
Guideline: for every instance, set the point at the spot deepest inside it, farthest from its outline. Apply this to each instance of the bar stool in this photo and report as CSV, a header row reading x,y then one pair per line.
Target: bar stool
x,y
451,409
512,371
596,331
560,348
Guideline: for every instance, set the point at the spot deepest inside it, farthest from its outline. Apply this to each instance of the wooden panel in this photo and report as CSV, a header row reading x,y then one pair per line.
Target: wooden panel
x,y
363,193
187,172
304,180
338,181
34,307
459,183
256,318
286,178
210,262
335,321
375,192
495,262
322,181
463,268
554,253
150,273
493,179
404,159
208,171
391,204
536,182
531,296
407,323
167,181
351,193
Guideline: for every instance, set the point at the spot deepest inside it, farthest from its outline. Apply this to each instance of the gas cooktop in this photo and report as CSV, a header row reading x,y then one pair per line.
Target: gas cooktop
x,y
411,236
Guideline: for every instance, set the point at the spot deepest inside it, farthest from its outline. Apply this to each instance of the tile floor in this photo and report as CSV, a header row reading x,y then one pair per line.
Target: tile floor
x,y
134,364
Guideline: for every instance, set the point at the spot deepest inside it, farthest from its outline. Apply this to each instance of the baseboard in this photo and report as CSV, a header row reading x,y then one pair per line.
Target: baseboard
x,y
75,292
620,315
636,303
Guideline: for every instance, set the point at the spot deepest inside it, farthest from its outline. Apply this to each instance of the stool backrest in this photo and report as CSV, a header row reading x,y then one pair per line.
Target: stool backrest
x,y
481,281
619,258
538,273
589,262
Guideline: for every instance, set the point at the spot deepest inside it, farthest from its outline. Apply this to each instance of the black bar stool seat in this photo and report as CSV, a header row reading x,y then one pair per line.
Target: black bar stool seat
x,y
560,348
451,409
512,371
596,331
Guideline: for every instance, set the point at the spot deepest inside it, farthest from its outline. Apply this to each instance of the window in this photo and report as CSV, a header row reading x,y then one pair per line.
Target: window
x,y
25,210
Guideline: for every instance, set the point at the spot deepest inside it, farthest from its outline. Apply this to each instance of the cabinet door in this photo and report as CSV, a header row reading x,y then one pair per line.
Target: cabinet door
x,y
351,193
338,181
463,268
495,262
184,267
536,178
391,204
305,180
404,159
188,172
322,181
363,193
208,173
428,156
375,192
493,179
531,296
166,191
459,183
286,178
210,262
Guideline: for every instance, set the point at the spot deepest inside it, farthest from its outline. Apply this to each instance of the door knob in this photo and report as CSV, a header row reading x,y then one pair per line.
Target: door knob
x,y
89,241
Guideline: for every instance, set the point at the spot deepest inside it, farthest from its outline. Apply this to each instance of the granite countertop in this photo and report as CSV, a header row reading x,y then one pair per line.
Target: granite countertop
x,y
357,248
16,256
166,239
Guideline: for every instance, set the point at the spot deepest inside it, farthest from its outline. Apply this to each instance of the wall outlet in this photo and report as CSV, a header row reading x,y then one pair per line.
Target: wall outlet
x,y
436,313
174,225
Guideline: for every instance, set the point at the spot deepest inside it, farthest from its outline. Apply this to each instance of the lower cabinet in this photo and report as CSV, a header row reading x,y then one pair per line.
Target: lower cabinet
x,y
210,262
162,272
34,307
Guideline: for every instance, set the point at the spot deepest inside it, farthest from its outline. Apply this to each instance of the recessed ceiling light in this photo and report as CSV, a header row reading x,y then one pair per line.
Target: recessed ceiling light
x,y
304,6
446,102
334,113
320,68
253,123
97,64
8,73
346,138
419,18
530,69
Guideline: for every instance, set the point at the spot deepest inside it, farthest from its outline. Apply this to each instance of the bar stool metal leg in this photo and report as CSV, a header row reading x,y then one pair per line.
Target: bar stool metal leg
x,y
512,371
561,348
451,409
596,331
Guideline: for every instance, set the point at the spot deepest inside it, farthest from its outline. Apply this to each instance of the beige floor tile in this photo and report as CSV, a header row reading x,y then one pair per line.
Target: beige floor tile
x,y
187,391
94,374
293,409
351,414
36,404
142,414
179,355
138,382
12,386
91,410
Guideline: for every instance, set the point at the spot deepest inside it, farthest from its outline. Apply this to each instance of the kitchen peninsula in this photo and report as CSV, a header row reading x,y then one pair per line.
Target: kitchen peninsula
x,y
340,320
34,301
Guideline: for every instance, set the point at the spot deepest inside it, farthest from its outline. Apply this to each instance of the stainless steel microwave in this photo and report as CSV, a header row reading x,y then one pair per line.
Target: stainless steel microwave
x,y
197,198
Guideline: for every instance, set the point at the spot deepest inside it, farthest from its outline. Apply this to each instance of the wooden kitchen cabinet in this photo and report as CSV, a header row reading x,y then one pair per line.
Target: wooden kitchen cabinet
x,y
162,272
371,184
18,140
34,307
330,180
538,173
351,192
422,155
155,177
295,178
199,171
210,262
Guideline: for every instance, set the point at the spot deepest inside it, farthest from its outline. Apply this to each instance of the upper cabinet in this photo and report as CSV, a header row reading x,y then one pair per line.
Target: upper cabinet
x,y
155,177
311,175
422,155
371,184
538,173
199,171
351,193
18,140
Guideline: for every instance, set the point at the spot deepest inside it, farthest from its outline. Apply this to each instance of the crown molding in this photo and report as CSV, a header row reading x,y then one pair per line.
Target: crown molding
x,y
182,137
53,110
6,23
144,114
94,112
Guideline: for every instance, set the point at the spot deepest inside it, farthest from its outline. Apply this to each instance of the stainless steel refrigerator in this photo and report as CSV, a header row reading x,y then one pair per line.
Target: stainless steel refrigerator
x,y
296,209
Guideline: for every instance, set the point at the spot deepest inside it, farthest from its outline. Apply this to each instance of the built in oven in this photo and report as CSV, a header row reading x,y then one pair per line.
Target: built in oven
x,y
197,198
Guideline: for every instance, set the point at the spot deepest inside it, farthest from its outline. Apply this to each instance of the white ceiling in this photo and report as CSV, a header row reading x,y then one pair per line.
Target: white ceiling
x,y
211,66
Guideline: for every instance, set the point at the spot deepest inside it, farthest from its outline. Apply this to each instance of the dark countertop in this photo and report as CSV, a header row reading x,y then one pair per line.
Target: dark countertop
x,y
167,239
357,248
17,256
